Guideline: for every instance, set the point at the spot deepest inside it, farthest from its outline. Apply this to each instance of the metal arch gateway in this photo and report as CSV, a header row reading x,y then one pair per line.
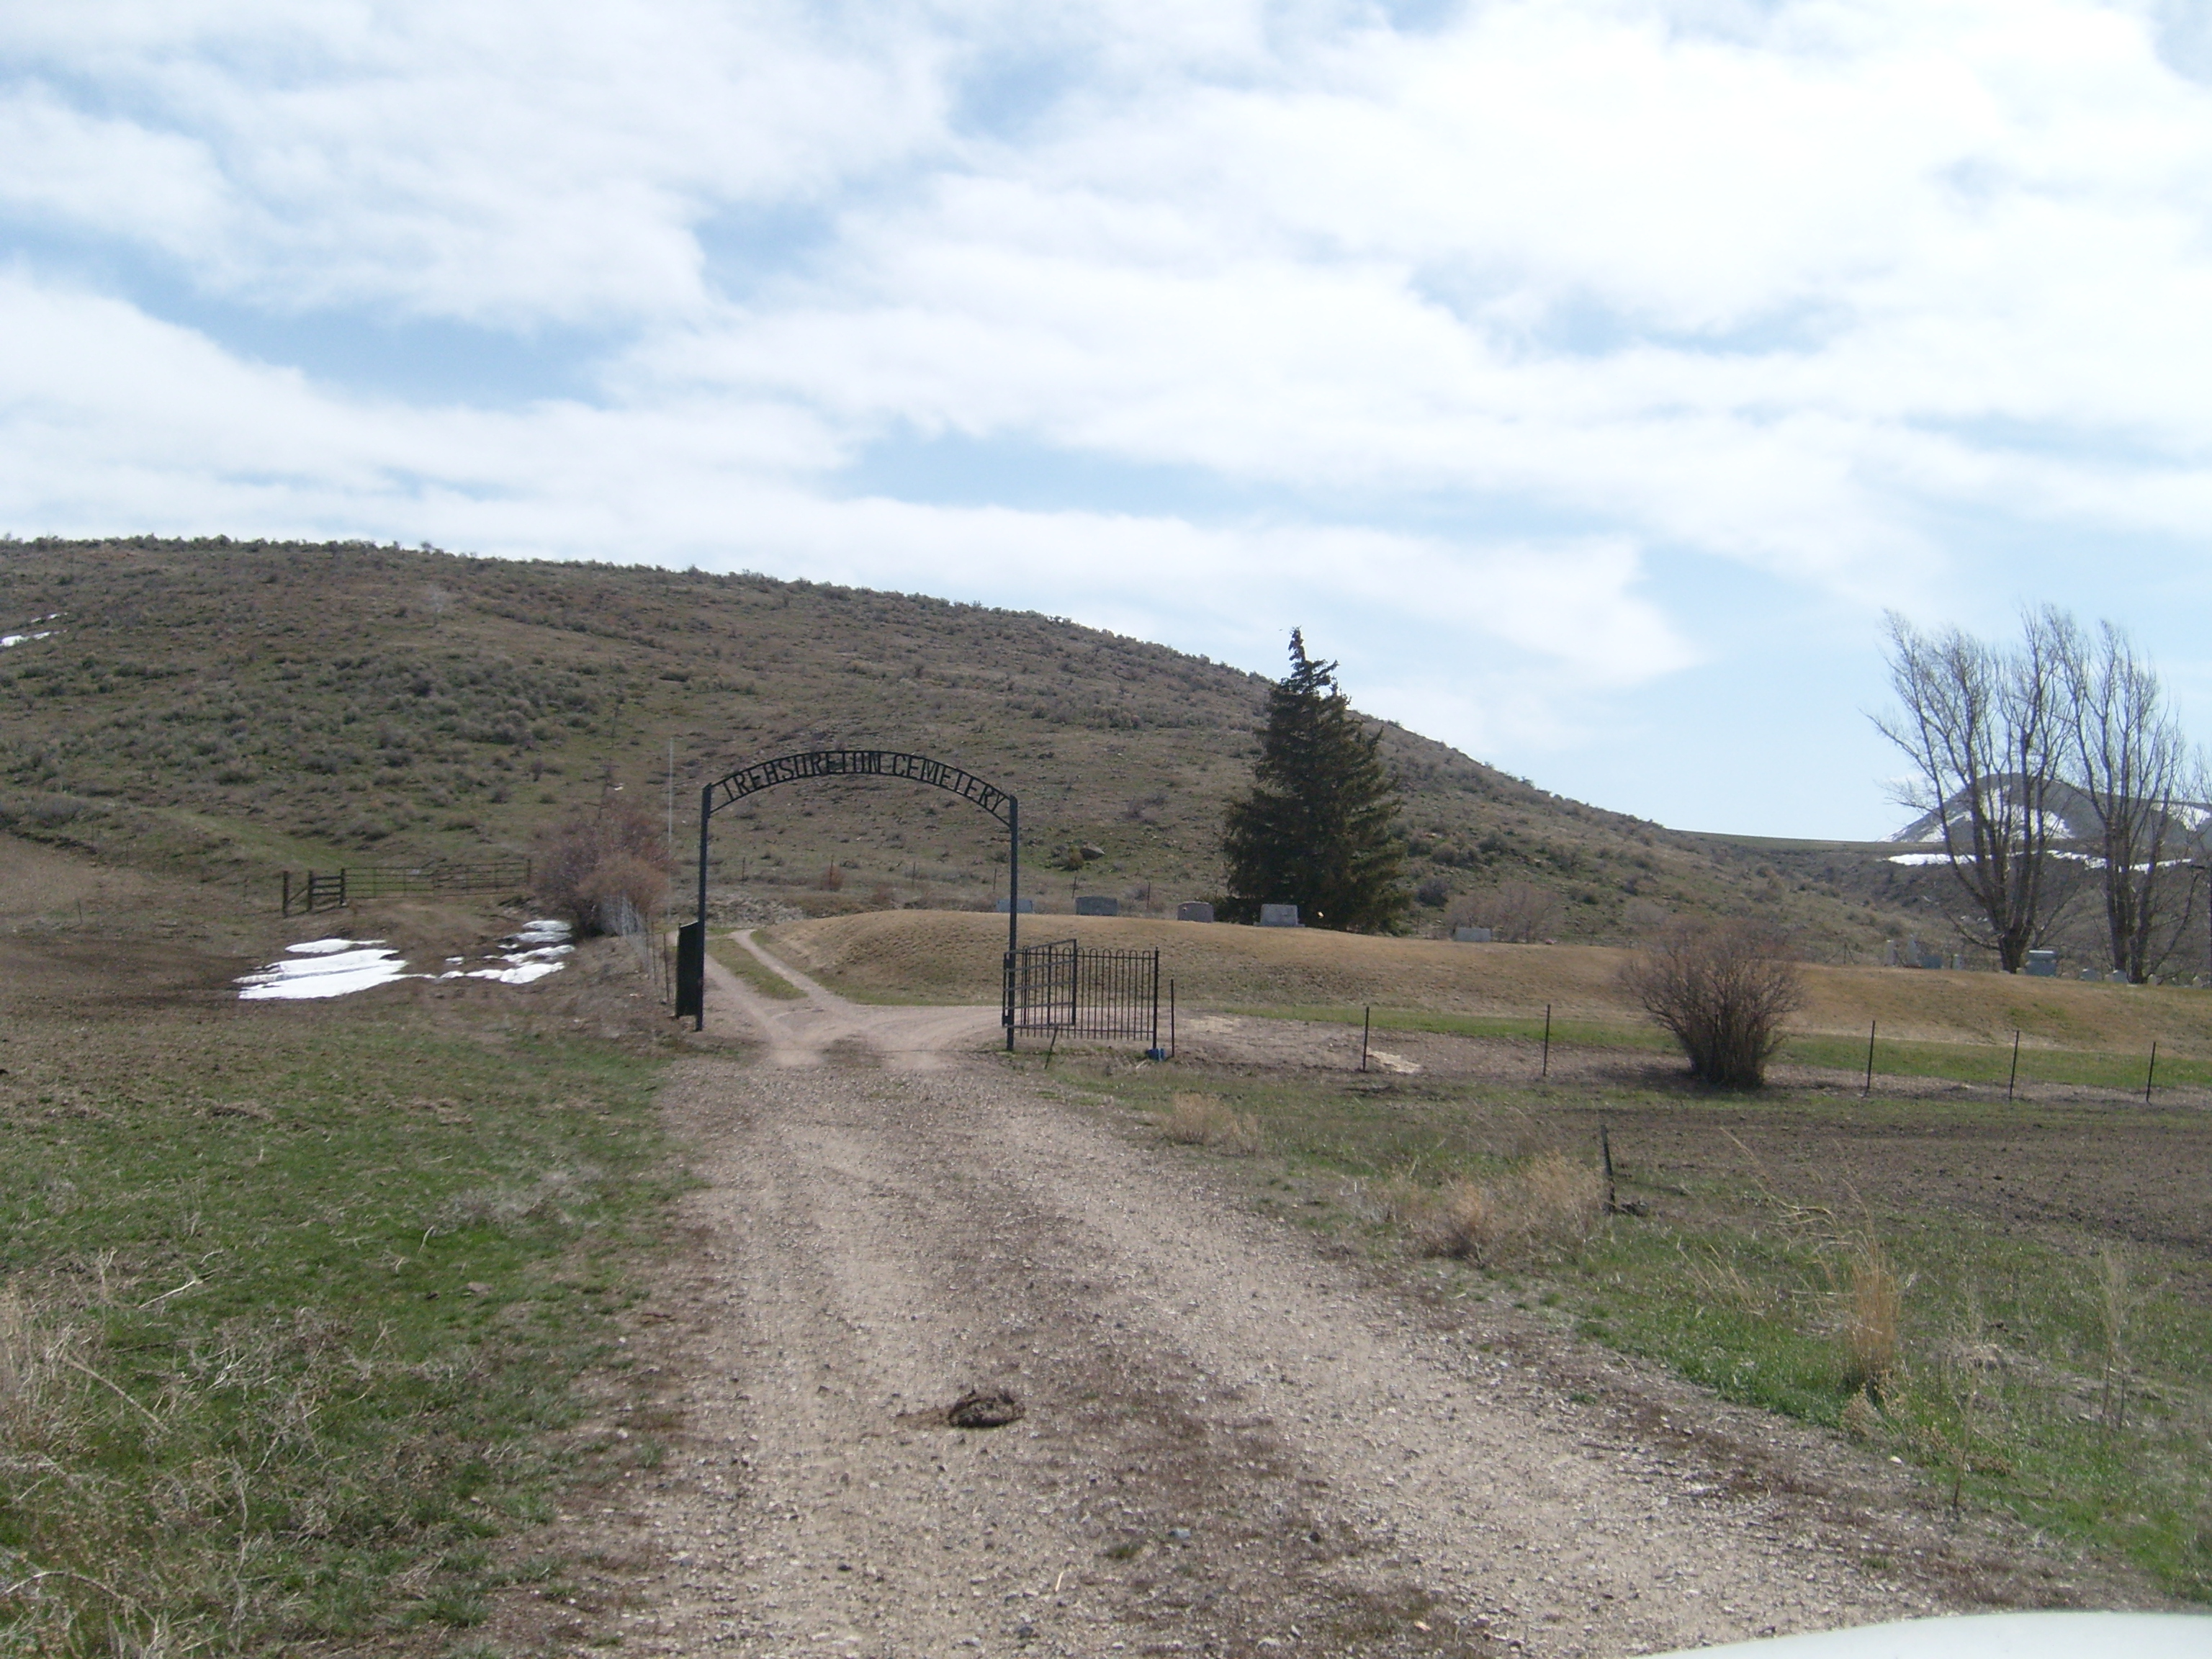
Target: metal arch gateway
x,y
691,941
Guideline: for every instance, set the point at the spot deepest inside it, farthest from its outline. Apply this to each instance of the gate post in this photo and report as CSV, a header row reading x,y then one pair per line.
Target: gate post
x,y
691,971
691,941
1013,906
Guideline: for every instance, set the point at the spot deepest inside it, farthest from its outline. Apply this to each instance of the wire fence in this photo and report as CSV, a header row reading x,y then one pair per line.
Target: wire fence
x,y
647,939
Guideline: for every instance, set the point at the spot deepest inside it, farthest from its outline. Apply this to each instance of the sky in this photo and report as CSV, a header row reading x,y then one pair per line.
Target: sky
x,y
1586,377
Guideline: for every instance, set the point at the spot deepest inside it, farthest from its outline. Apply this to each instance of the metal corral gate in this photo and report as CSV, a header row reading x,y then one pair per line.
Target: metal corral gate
x,y
1064,988
335,889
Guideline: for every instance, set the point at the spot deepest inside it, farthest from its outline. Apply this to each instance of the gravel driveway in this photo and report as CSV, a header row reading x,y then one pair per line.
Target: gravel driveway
x,y
1232,1443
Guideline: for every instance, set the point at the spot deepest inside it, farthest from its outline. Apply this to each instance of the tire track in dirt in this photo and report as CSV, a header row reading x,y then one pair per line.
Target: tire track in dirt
x,y
1231,1445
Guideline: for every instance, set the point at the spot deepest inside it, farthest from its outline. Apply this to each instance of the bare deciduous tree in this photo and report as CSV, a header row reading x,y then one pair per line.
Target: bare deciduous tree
x,y
1723,989
596,862
1985,732
2127,756
1515,912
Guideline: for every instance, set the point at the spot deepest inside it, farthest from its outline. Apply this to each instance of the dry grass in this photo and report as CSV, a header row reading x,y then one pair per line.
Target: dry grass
x,y
1859,1418
2112,1303
1549,1203
555,1196
954,957
1196,1120
1873,1314
41,1365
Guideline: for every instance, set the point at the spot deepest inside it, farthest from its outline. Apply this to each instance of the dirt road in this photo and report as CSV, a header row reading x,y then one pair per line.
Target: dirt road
x,y
1231,1443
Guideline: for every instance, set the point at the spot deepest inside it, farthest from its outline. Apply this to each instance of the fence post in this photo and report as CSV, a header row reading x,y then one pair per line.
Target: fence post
x,y
1868,1090
1171,1019
1366,1021
1545,1071
2153,1075
342,887
2014,1078
287,892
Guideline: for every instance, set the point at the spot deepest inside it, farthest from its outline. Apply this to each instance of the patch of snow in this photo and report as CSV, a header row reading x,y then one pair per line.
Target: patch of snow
x,y
330,968
1919,858
338,967
525,965
7,640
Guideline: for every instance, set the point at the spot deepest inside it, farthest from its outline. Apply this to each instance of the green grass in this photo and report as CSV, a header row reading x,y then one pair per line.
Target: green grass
x,y
2004,1343
290,1311
1957,1062
752,969
1566,1033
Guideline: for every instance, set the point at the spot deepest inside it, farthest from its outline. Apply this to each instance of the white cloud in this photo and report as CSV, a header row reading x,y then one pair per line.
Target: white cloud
x,y
1468,322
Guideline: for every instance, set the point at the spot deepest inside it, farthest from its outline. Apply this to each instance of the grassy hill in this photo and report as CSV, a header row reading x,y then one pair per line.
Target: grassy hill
x,y
232,709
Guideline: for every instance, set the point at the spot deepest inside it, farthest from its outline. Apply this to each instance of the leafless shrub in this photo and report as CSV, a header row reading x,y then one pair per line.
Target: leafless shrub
x,y
1548,1203
830,879
1515,912
1204,1121
597,860
1723,989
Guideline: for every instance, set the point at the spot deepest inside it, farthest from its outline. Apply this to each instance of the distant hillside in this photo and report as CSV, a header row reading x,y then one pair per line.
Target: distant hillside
x,y
235,708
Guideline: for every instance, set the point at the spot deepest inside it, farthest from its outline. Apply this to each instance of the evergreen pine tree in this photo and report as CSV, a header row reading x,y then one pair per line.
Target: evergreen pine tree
x,y
1316,829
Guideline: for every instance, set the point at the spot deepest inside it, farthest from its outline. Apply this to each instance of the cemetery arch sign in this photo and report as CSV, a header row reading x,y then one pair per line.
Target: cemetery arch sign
x,y
691,941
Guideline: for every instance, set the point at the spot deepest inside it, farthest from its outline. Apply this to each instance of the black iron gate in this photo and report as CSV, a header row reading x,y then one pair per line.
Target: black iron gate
x,y
1066,988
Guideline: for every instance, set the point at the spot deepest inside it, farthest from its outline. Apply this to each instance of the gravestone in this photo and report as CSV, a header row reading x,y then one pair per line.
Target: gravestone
x,y
1194,910
2042,964
1097,904
1471,935
1278,916
1028,905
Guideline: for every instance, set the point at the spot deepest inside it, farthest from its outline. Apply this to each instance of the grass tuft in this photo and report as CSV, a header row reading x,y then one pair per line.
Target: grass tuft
x,y
1874,1307
1549,1202
1196,1120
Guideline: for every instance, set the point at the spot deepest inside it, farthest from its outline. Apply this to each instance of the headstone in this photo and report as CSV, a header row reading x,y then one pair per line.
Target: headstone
x,y
1889,953
2117,977
2042,964
1278,916
1028,905
1471,935
1097,904
1194,910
